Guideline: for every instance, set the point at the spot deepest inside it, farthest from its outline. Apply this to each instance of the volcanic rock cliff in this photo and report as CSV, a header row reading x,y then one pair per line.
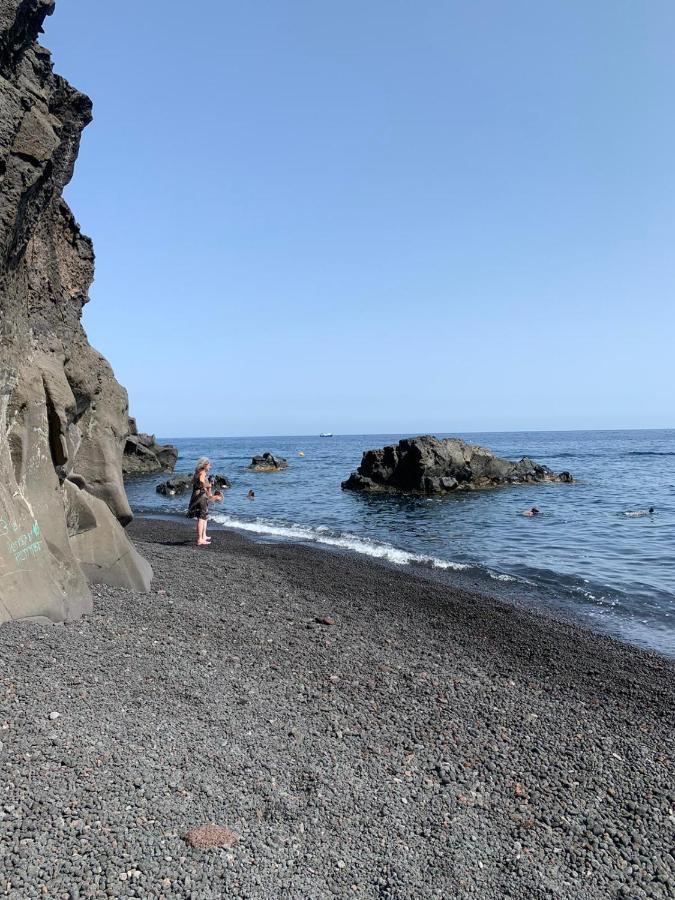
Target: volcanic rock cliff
x,y
63,417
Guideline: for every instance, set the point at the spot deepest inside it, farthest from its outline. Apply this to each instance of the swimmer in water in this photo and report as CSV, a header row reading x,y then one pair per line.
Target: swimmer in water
x,y
530,513
250,495
639,513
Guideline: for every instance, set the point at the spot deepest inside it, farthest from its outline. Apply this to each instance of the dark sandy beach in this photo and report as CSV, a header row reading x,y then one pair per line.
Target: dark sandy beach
x,y
428,743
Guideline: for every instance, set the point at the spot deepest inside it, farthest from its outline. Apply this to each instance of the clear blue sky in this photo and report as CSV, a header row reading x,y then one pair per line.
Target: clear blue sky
x,y
379,216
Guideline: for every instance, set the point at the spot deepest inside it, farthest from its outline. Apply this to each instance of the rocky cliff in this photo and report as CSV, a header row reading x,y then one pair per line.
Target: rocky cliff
x,y
429,465
63,417
144,456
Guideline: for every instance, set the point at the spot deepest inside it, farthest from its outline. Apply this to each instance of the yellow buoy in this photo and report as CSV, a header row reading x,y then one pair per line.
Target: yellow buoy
x,y
300,453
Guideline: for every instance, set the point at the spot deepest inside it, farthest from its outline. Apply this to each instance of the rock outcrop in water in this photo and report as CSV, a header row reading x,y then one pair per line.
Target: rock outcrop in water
x,y
144,456
429,465
63,417
182,484
266,462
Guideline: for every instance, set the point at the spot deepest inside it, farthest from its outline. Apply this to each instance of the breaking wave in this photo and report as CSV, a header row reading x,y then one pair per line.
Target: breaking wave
x,y
322,535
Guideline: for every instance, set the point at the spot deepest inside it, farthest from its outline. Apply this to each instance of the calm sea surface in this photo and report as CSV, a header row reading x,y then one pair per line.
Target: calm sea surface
x,y
582,557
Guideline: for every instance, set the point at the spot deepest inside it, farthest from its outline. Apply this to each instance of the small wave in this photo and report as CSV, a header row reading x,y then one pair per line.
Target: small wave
x,y
650,453
322,535
573,454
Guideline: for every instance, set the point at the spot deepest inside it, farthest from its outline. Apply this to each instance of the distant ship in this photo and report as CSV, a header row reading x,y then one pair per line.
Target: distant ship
x,y
326,434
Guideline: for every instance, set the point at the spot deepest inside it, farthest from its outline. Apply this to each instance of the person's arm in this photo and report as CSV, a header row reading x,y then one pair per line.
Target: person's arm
x,y
206,484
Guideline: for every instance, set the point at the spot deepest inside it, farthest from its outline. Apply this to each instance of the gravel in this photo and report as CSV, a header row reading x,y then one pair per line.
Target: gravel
x,y
429,743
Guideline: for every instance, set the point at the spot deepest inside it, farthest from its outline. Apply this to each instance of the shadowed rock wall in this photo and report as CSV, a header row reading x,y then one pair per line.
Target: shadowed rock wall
x,y
63,417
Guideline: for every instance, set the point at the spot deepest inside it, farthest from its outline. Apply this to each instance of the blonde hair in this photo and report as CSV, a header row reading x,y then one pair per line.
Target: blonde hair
x,y
202,463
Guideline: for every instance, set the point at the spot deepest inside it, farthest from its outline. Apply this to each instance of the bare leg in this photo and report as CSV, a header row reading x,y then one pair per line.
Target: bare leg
x,y
202,539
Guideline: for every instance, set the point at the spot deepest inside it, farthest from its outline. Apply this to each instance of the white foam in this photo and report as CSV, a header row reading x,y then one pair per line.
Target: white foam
x,y
322,535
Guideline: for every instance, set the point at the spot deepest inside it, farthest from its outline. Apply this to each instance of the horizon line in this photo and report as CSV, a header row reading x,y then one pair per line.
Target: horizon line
x,y
211,437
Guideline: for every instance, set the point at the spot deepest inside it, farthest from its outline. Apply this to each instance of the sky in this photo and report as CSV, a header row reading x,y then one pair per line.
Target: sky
x,y
381,217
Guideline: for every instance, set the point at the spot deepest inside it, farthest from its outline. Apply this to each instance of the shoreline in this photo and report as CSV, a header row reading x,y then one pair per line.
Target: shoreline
x,y
450,590
429,743
483,582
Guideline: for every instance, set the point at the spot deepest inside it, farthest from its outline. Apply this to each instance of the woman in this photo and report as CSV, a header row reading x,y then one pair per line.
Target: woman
x,y
199,501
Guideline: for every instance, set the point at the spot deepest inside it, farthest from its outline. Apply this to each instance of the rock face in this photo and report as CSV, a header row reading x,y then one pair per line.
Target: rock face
x,y
427,465
144,456
268,463
63,417
182,484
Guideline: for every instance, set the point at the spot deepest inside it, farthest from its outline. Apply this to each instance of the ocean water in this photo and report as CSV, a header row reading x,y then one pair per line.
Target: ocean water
x,y
582,557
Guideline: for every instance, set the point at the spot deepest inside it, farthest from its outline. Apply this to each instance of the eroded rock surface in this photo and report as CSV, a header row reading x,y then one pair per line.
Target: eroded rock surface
x,y
429,465
63,417
144,456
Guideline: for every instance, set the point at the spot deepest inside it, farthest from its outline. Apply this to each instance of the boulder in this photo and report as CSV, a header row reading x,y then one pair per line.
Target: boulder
x,y
268,463
63,416
144,456
182,484
429,465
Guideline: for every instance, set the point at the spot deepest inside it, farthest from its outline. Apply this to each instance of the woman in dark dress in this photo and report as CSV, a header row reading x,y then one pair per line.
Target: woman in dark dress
x,y
202,492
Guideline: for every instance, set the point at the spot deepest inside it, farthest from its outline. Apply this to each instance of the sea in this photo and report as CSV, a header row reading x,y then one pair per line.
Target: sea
x,y
582,558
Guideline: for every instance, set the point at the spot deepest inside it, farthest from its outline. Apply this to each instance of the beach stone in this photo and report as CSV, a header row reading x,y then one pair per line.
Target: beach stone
x,y
209,837
266,462
430,465
63,416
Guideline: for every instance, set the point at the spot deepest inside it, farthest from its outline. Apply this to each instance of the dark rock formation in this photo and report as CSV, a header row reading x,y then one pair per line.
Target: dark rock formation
x,y
428,465
63,417
268,463
176,486
182,484
144,456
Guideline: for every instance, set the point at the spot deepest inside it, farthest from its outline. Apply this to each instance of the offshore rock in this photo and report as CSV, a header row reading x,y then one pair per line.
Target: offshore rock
x,y
429,465
63,417
181,484
268,463
144,456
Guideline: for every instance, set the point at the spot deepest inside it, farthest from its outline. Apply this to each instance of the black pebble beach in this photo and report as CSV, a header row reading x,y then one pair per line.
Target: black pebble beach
x,y
364,731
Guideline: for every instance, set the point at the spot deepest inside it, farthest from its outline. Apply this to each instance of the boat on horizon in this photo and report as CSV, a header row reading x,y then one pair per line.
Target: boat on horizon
x,y
326,434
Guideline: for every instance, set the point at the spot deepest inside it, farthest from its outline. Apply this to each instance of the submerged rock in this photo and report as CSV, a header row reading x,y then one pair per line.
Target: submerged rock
x,y
63,416
182,484
268,463
429,465
144,456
